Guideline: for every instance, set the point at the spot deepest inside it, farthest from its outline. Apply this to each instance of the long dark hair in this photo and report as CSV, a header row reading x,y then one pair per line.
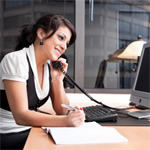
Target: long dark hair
x,y
48,23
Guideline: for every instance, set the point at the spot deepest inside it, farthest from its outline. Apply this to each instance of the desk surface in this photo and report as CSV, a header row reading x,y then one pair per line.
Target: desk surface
x,y
138,139
138,136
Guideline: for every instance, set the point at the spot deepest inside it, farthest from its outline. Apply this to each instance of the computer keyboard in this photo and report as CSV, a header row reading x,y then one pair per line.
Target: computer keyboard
x,y
99,113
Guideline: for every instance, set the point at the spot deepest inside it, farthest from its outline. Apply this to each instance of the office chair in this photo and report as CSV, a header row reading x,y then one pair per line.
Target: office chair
x,y
101,74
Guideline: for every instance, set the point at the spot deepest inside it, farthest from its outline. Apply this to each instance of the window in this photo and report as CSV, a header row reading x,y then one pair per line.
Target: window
x,y
102,28
109,26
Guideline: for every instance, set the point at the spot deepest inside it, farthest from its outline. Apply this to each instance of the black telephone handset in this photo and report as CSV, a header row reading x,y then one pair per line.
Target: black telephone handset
x,y
56,64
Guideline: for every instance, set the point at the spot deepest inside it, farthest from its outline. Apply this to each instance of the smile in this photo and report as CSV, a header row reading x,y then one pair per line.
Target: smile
x,y
58,51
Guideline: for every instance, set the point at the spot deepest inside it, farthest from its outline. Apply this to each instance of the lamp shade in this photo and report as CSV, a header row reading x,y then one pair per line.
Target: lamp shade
x,y
113,57
133,50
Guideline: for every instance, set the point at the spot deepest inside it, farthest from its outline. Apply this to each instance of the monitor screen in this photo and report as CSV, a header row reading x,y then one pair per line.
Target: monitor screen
x,y
141,89
143,79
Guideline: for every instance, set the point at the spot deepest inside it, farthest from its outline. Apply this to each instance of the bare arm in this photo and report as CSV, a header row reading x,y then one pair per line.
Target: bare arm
x,y
58,98
18,102
57,94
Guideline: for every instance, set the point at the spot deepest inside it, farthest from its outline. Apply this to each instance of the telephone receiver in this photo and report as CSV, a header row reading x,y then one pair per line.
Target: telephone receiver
x,y
58,64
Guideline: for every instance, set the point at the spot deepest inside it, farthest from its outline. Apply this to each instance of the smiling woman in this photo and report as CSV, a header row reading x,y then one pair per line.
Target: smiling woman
x,y
27,81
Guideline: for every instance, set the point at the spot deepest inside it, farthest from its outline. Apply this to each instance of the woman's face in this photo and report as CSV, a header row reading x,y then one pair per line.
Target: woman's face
x,y
56,45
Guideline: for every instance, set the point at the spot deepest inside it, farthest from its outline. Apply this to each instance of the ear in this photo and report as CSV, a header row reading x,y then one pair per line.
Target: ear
x,y
40,33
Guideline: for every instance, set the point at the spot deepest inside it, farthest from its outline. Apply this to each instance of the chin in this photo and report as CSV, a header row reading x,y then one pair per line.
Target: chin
x,y
54,58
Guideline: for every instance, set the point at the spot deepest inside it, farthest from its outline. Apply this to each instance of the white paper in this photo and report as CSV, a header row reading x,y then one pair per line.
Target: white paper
x,y
88,133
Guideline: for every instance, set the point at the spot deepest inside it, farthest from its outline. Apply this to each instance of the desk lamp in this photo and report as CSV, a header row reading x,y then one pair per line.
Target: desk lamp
x,y
133,50
113,57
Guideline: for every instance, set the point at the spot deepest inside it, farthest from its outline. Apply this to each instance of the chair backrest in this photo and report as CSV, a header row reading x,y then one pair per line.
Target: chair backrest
x,y
101,74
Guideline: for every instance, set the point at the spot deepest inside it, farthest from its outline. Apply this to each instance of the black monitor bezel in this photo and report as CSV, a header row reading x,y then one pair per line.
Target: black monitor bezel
x,y
136,95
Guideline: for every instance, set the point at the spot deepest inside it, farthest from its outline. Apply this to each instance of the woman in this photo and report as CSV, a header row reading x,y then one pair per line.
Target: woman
x,y
27,80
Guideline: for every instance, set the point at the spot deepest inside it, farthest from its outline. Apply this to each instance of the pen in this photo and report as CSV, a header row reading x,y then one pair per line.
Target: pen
x,y
68,107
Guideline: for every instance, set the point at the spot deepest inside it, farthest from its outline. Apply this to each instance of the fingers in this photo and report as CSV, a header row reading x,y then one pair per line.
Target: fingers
x,y
78,107
81,118
56,73
81,110
64,63
76,118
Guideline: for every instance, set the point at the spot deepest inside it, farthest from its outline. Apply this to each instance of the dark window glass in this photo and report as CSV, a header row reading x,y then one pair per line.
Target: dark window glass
x,y
109,26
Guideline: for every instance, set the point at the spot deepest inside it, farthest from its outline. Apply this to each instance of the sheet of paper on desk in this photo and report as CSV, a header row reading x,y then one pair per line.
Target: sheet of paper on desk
x,y
88,133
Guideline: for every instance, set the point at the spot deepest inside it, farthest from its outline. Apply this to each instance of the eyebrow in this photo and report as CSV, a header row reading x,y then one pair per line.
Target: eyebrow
x,y
63,34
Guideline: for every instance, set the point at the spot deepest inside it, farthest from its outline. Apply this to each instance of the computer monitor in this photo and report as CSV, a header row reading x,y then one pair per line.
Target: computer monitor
x,y
141,89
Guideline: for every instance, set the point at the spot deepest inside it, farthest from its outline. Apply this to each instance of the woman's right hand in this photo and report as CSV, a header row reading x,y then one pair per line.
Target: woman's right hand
x,y
75,118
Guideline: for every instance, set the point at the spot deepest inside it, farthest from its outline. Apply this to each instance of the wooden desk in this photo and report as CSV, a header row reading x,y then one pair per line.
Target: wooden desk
x,y
138,139
138,136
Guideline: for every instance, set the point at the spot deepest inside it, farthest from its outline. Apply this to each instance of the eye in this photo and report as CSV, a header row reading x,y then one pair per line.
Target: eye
x,y
60,37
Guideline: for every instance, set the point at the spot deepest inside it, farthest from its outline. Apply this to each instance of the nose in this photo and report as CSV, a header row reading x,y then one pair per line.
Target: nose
x,y
63,46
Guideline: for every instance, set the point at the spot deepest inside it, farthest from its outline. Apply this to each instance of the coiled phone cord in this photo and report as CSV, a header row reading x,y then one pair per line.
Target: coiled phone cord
x,y
61,68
